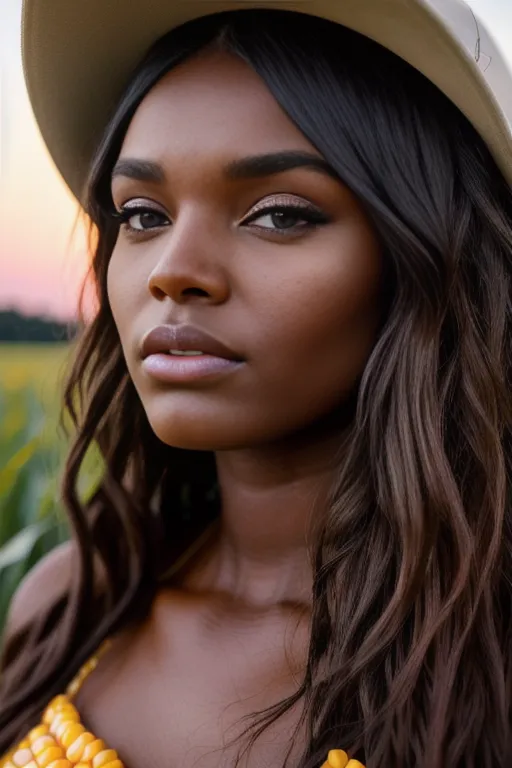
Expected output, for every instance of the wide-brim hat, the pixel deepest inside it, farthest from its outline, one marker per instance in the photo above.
(78, 54)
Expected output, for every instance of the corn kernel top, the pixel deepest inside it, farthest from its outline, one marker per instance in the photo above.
(61, 741)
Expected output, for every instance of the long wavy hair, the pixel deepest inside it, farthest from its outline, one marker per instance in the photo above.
(409, 662)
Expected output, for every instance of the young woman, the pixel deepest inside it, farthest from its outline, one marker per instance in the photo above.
(299, 379)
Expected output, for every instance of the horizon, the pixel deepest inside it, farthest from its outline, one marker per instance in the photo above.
(45, 263)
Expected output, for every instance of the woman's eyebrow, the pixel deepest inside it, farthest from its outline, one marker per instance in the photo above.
(256, 166)
(139, 170)
(277, 162)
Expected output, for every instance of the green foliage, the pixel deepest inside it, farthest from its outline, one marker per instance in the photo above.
(32, 452)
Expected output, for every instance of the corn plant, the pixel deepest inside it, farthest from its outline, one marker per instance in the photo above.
(32, 451)
(30, 520)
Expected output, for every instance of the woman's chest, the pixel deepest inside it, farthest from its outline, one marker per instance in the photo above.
(182, 698)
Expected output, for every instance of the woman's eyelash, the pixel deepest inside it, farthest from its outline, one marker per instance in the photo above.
(125, 214)
(295, 213)
(305, 212)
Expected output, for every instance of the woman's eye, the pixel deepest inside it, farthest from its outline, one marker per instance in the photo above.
(280, 219)
(286, 219)
(140, 219)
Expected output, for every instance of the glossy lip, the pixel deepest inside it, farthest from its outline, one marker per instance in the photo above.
(184, 337)
(180, 370)
(216, 359)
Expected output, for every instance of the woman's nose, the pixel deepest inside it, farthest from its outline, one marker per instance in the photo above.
(190, 267)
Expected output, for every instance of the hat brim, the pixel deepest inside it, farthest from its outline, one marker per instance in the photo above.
(77, 57)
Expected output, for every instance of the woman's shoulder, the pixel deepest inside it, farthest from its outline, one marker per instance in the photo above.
(42, 586)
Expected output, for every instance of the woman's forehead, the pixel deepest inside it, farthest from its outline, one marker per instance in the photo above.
(209, 103)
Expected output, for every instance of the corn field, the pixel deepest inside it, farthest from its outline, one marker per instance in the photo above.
(32, 451)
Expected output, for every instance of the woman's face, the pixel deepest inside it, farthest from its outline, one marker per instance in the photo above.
(294, 294)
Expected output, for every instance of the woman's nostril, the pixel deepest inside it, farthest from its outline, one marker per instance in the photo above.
(194, 292)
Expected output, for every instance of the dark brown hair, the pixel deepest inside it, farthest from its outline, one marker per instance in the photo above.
(410, 655)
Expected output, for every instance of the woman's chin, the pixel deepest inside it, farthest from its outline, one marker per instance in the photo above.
(196, 435)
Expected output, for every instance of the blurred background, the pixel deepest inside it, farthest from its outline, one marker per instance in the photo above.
(43, 261)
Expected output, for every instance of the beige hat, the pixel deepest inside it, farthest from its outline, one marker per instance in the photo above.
(77, 56)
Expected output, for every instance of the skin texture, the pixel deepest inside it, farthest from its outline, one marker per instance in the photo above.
(302, 310)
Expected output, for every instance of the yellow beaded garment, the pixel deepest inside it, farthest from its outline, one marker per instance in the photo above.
(61, 741)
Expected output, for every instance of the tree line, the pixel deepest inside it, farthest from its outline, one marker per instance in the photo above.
(20, 328)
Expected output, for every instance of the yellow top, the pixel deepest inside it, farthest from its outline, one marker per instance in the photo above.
(61, 741)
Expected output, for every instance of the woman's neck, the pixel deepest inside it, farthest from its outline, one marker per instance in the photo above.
(270, 497)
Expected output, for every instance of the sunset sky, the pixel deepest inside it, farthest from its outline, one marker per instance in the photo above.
(40, 265)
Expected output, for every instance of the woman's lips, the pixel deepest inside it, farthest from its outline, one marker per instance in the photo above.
(184, 353)
(184, 338)
(180, 369)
